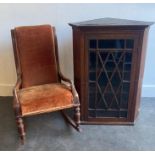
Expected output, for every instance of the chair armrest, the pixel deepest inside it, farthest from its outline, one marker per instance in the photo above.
(15, 90)
(74, 92)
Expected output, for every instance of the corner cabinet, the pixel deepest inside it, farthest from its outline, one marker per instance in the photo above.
(109, 57)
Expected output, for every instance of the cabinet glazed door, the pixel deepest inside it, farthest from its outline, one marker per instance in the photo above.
(109, 69)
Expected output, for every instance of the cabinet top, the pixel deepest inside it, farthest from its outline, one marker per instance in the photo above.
(110, 22)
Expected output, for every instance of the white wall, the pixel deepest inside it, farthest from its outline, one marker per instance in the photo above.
(59, 15)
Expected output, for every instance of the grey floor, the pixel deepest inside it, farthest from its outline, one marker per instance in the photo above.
(49, 132)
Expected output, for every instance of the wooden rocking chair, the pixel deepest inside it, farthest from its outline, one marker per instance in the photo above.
(39, 88)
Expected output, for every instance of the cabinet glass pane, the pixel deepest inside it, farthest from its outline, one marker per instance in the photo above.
(110, 64)
(129, 43)
(119, 43)
(92, 60)
(128, 57)
(104, 55)
(92, 92)
(92, 43)
(101, 103)
(117, 56)
(102, 80)
(127, 67)
(92, 76)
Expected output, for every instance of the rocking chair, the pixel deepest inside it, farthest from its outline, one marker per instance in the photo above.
(39, 88)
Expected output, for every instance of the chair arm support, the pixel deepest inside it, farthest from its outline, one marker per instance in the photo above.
(74, 92)
(15, 90)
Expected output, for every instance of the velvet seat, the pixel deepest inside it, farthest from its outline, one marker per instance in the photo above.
(39, 88)
(45, 98)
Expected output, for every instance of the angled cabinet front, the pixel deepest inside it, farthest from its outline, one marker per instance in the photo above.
(110, 86)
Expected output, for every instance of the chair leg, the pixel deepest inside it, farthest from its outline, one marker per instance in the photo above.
(77, 117)
(75, 123)
(21, 129)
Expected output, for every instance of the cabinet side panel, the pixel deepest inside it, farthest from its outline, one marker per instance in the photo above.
(78, 57)
(140, 70)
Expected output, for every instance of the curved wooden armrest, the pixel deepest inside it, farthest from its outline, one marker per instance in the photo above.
(74, 92)
(15, 90)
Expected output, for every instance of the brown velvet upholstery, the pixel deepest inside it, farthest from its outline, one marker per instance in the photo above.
(36, 49)
(45, 98)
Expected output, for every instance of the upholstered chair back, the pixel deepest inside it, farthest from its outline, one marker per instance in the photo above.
(35, 54)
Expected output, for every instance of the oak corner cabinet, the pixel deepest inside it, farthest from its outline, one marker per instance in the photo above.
(109, 56)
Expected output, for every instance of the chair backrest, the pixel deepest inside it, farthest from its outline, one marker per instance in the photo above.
(35, 54)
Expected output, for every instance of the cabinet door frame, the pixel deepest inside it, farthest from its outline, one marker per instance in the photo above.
(109, 35)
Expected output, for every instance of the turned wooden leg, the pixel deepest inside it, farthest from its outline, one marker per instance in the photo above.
(21, 129)
(77, 117)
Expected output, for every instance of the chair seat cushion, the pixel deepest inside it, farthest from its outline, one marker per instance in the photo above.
(45, 98)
